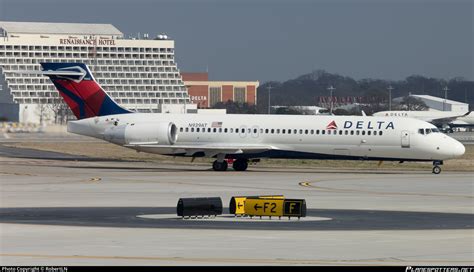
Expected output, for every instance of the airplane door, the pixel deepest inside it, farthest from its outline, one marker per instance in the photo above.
(243, 131)
(405, 139)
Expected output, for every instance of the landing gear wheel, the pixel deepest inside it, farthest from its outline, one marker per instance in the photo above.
(219, 166)
(240, 165)
(436, 170)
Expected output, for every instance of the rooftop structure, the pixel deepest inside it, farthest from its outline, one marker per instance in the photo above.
(207, 93)
(140, 74)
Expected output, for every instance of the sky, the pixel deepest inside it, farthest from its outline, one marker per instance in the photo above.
(282, 39)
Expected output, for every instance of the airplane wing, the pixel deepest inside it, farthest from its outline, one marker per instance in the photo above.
(209, 150)
(445, 120)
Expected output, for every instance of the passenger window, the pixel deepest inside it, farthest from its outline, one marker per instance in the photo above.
(301, 131)
(352, 132)
(231, 130)
(380, 133)
(283, 131)
(317, 132)
(197, 129)
(249, 130)
(363, 132)
(236, 130)
(180, 129)
(261, 131)
(289, 131)
(187, 129)
(278, 131)
(225, 130)
(192, 129)
(266, 131)
(220, 130)
(215, 130)
(255, 130)
(305, 131)
(357, 132)
(312, 131)
(369, 132)
(340, 132)
(272, 131)
(209, 130)
(346, 132)
(323, 132)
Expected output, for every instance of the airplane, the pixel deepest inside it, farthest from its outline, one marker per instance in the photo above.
(243, 137)
(446, 120)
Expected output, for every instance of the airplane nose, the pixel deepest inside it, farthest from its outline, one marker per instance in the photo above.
(458, 149)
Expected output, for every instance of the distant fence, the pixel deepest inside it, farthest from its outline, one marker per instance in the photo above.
(14, 127)
(464, 137)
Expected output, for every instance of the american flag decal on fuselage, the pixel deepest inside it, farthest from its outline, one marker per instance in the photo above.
(216, 124)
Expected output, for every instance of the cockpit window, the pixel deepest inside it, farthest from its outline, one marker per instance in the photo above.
(427, 131)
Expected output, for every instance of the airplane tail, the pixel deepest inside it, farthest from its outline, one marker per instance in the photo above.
(80, 91)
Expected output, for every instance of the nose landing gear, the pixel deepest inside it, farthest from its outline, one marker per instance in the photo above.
(436, 168)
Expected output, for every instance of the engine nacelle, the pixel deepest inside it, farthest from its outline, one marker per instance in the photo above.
(164, 133)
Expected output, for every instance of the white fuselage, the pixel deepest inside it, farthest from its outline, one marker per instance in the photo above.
(290, 136)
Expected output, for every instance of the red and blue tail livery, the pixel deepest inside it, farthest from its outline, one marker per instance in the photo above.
(80, 91)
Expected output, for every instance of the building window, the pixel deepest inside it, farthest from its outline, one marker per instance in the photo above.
(214, 95)
(239, 94)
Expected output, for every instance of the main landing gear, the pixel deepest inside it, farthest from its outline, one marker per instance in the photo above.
(219, 166)
(238, 165)
(436, 168)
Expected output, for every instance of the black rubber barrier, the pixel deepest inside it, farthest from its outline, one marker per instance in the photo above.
(200, 206)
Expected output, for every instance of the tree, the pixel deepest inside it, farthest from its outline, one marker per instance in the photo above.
(60, 110)
(288, 110)
(412, 104)
(236, 107)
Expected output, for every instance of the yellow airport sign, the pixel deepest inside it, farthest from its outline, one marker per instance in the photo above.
(237, 203)
(264, 207)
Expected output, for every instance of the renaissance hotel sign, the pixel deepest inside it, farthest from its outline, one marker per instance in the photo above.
(76, 41)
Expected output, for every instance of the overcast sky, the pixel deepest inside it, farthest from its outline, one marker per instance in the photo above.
(279, 40)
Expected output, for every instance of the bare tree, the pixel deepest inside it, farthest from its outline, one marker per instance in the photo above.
(60, 111)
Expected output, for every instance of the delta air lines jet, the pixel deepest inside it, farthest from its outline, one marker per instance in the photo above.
(244, 137)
